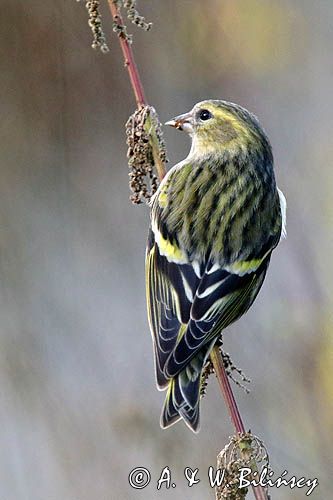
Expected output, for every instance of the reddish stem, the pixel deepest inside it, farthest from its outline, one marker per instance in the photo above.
(129, 58)
(215, 356)
(229, 398)
(225, 387)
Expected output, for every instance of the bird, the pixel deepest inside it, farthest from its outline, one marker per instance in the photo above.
(215, 219)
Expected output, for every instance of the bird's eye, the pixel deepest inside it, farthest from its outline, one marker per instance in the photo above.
(204, 114)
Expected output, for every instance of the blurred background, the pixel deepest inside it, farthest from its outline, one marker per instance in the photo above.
(79, 408)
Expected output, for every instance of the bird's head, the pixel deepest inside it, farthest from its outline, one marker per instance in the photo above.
(217, 126)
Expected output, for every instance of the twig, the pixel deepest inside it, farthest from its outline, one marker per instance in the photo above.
(135, 81)
(128, 58)
(215, 355)
(225, 387)
(231, 404)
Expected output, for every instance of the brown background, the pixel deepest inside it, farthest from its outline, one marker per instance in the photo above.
(79, 408)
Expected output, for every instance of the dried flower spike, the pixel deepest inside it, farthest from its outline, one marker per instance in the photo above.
(119, 27)
(146, 149)
(95, 23)
(121, 30)
(208, 370)
(134, 16)
(243, 450)
(230, 369)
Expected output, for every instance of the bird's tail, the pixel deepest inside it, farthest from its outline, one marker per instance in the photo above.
(183, 395)
(176, 407)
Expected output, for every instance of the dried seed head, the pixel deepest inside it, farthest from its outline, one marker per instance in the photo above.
(230, 368)
(121, 30)
(208, 370)
(145, 147)
(95, 23)
(134, 16)
(243, 450)
(232, 371)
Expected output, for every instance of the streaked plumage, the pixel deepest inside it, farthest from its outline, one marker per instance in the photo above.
(215, 220)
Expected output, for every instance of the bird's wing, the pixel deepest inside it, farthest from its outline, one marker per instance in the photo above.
(170, 287)
(221, 297)
(189, 303)
(191, 300)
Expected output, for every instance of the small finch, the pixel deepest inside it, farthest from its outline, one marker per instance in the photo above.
(215, 220)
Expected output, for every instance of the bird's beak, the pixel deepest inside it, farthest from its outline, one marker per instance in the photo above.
(182, 122)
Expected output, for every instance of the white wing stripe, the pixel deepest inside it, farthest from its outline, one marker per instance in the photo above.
(209, 290)
(187, 288)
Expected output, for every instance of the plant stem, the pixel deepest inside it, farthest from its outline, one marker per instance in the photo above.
(229, 398)
(226, 390)
(136, 83)
(129, 58)
(215, 355)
